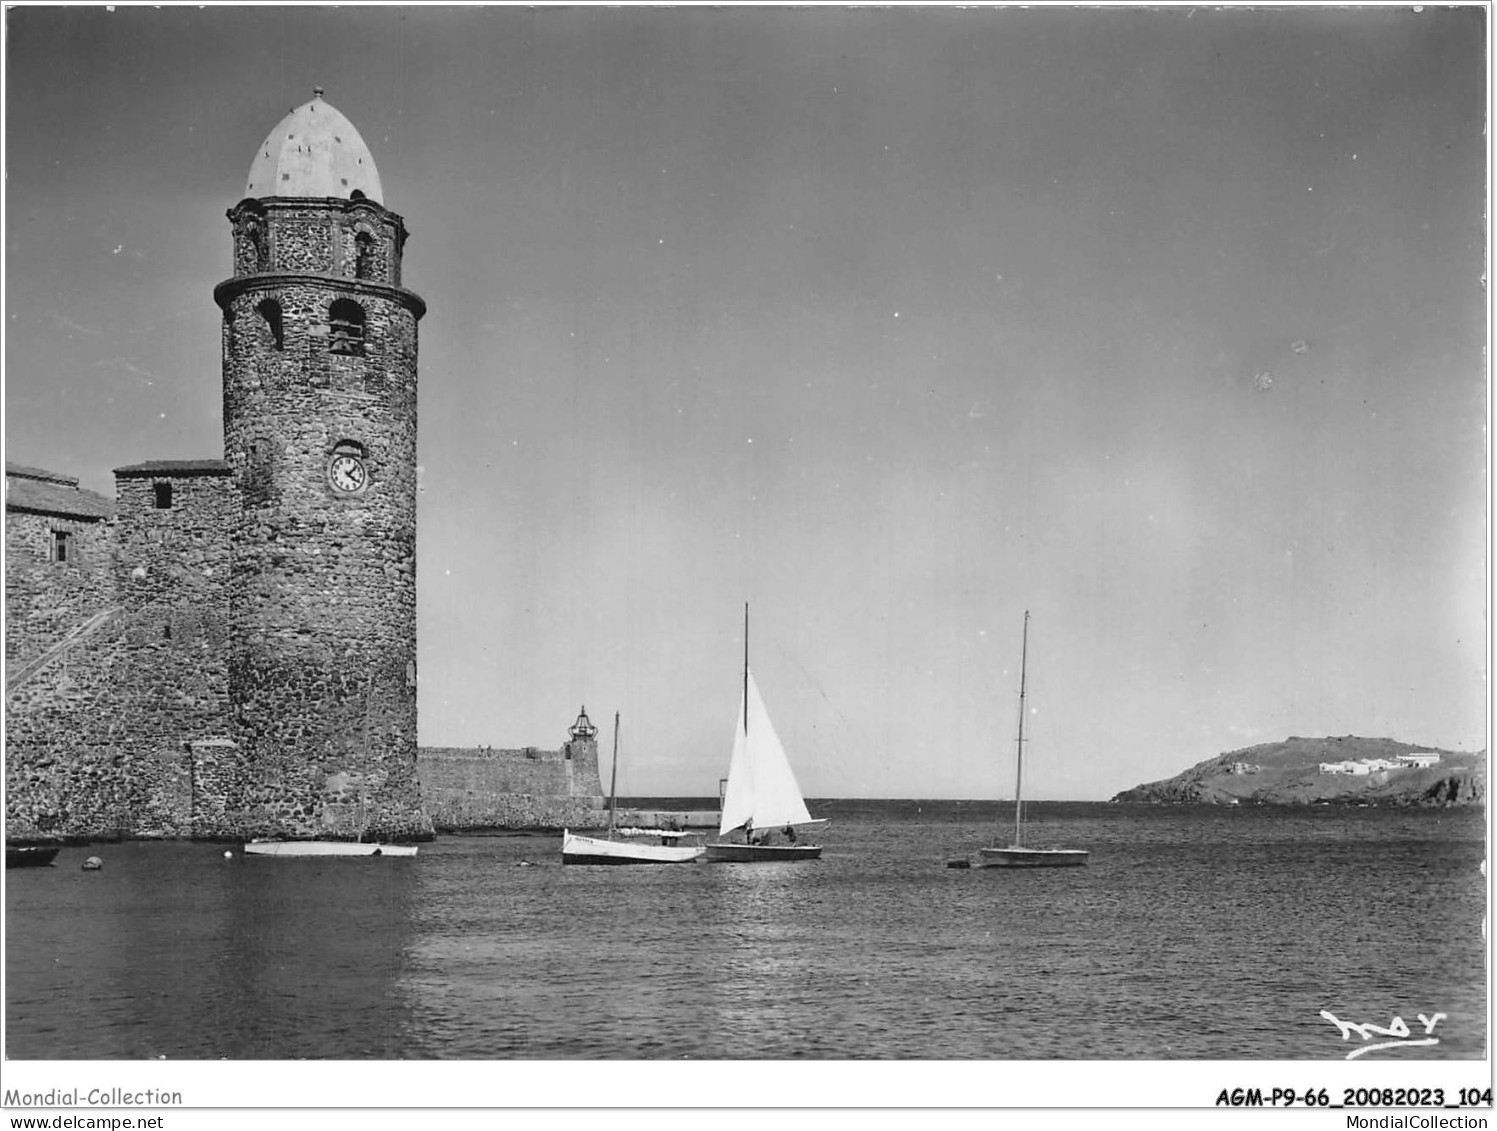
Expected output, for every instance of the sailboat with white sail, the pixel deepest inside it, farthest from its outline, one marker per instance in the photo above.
(1016, 855)
(577, 849)
(762, 797)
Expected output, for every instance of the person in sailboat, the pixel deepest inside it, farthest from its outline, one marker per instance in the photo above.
(790, 834)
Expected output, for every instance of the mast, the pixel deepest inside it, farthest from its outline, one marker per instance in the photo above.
(748, 829)
(745, 667)
(613, 781)
(1019, 773)
(362, 813)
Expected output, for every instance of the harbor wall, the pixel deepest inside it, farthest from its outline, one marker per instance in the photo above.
(483, 788)
(696, 819)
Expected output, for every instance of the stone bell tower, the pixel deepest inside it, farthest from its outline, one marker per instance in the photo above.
(319, 382)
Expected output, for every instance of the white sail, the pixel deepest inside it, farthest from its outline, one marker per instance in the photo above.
(761, 786)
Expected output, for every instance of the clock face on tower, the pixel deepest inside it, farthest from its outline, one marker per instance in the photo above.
(346, 473)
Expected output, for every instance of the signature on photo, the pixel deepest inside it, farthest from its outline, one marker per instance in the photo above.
(1397, 1028)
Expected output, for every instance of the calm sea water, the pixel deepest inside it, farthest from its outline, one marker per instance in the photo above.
(1194, 933)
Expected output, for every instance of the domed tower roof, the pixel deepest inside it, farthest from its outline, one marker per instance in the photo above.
(314, 151)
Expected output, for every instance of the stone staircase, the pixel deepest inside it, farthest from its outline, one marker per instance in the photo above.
(19, 676)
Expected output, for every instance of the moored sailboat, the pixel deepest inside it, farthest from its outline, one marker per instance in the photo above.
(762, 795)
(1016, 855)
(596, 850)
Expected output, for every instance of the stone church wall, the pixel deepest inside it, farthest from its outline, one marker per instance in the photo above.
(98, 741)
(44, 598)
(65, 749)
(172, 569)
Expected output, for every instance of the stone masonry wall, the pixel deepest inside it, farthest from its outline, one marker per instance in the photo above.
(285, 235)
(483, 788)
(98, 743)
(75, 768)
(172, 572)
(65, 749)
(44, 599)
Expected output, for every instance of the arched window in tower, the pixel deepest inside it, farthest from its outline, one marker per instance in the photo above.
(346, 327)
(363, 258)
(270, 310)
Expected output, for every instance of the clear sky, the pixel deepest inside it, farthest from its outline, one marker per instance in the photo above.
(1166, 325)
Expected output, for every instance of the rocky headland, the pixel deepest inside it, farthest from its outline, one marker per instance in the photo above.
(1291, 773)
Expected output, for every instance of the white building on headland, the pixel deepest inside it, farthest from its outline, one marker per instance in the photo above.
(1420, 758)
(1362, 766)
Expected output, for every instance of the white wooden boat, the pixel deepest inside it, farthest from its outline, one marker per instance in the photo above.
(625, 846)
(1017, 855)
(762, 797)
(597, 850)
(325, 848)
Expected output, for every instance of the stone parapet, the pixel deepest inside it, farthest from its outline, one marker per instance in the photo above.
(476, 788)
(571, 771)
(455, 812)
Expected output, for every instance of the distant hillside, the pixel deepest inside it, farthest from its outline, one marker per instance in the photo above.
(1288, 773)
